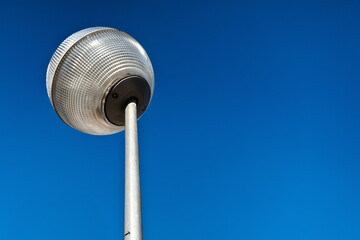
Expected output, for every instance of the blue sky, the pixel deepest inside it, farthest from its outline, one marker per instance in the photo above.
(253, 131)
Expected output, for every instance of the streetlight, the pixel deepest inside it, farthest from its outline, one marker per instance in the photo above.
(100, 81)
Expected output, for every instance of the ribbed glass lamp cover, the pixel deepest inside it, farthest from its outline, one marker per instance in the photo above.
(83, 70)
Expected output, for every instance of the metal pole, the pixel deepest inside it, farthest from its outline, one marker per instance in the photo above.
(132, 224)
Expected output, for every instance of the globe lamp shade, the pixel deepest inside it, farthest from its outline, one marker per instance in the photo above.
(92, 76)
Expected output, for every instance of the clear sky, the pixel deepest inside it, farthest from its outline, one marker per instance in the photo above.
(253, 131)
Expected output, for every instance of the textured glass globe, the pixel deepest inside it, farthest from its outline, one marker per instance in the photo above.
(84, 70)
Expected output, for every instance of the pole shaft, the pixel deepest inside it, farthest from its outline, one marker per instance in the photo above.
(132, 221)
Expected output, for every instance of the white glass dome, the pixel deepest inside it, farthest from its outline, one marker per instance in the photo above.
(86, 67)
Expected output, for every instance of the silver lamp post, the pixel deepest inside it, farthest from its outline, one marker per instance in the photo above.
(100, 81)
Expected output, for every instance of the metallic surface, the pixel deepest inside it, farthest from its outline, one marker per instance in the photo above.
(118, 98)
(83, 70)
(132, 220)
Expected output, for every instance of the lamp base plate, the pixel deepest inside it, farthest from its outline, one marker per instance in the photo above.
(120, 94)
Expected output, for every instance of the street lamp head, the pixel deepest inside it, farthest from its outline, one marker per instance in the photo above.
(92, 76)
